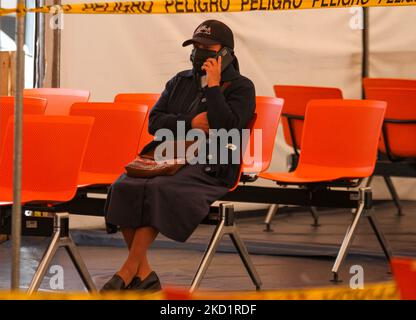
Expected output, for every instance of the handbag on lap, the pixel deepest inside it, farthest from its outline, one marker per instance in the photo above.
(146, 166)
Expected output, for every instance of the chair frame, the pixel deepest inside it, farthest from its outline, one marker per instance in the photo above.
(91, 200)
(320, 195)
(58, 231)
(393, 166)
(293, 163)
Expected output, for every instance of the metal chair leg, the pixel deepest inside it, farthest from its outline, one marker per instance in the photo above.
(79, 264)
(348, 238)
(226, 225)
(394, 195)
(61, 238)
(269, 217)
(315, 216)
(245, 257)
(380, 236)
(369, 181)
(208, 256)
(44, 263)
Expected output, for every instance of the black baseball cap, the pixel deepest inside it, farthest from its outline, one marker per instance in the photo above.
(212, 32)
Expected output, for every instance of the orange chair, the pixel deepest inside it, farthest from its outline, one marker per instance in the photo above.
(114, 139)
(30, 106)
(148, 99)
(388, 83)
(268, 111)
(59, 99)
(339, 146)
(296, 98)
(404, 270)
(53, 149)
(397, 146)
(399, 129)
(266, 121)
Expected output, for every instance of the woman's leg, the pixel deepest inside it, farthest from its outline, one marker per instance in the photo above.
(144, 267)
(128, 235)
(143, 238)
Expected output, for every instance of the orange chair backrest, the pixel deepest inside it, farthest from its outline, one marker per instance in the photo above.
(114, 137)
(257, 154)
(263, 131)
(388, 83)
(148, 99)
(401, 105)
(296, 98)
(30, 106)
(59, 99)
(342, 134)
(53, 148)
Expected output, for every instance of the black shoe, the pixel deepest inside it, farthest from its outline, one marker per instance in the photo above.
(115, 283)
(151, 283)
(134, 283)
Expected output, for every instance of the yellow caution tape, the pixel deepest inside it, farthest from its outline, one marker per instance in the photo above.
(116, 295)
(378, 291)
(206, 6)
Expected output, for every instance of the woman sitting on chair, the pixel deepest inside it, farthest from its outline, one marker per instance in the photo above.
(175, 205)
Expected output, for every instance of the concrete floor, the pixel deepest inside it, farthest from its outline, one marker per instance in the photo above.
(177, 267)
(294, 255)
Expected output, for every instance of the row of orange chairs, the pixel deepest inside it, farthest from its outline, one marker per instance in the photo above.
(399, 94)
(61, 154)
(399, 127)
(325, 158)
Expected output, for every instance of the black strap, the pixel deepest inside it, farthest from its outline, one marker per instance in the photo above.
(193, 108)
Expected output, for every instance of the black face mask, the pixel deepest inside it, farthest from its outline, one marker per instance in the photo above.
(199, 56)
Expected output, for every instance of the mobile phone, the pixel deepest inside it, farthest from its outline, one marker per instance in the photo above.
(227, 57)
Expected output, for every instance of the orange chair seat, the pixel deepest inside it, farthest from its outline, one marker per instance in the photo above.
(314, 174)
(53, 148)
(91, 178)
(6, 195)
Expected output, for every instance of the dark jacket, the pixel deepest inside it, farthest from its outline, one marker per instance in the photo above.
(231, 106)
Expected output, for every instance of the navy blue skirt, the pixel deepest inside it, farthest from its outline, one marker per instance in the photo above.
(174, 205)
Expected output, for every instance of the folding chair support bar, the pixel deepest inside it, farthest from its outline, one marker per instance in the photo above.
(61, 238)
(321, 197)
(225, 226)
(364, 209)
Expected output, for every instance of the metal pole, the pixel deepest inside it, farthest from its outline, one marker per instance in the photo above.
(39, 74)
(56, 55)
(17, 168)
(1, 79)
(366, 43)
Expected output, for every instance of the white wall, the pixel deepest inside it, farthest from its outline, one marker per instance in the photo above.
(108, 54)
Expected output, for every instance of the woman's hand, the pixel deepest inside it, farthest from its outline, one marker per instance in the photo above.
(200, 121)
(213, 70)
